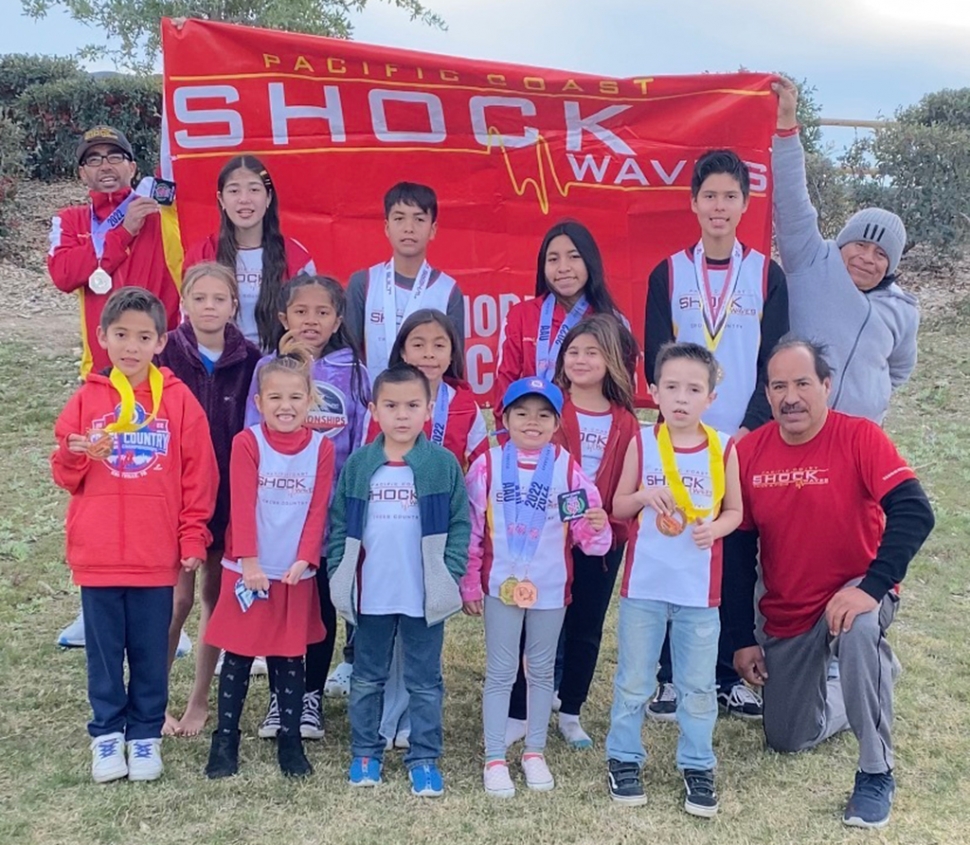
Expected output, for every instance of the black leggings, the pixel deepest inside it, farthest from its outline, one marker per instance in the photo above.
(286, 676)
(579, 644)
(319, 655)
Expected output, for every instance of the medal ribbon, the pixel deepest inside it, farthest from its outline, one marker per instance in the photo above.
(715, 310)
(99, 231)
(546, 354)
(676, 483)
(390, 302)
(439, 419)
(524, 519)
(126, 416)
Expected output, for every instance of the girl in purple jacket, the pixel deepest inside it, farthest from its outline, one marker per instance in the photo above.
(311, 311)
(212, 357)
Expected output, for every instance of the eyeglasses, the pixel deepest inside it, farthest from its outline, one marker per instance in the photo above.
(96, 159)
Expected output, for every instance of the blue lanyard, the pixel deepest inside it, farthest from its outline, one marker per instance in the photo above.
(546, 354)
(99, 231)
(439, 419)
(524, 519)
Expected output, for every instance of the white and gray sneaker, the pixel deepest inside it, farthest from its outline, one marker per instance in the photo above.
(741, 701)
(108, 758)
(73, 635)
(270, 727)
(664, 704)
(338, 684)
(311, 720)
(145, 759)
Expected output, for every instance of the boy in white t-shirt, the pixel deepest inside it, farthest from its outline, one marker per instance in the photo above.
(399, 534)
(680, 481)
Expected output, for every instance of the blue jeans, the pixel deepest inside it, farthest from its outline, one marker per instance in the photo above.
(374, 647)
(130, 622)
(694, 635)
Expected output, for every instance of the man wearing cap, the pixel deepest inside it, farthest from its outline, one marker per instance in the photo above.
(113, 241)
(842, 293)
(835, 516)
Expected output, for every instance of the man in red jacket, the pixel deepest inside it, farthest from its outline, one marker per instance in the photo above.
(113, 241)
(135, 454)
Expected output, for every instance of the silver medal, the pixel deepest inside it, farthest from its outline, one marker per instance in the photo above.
(99, 281)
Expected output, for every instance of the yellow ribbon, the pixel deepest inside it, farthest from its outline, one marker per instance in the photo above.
(126, 416)
(676, 483)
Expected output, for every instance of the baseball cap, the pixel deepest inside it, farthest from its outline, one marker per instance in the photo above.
(103, 135)
(534, 386)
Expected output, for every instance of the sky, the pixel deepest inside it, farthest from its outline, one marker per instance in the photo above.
(865, 57)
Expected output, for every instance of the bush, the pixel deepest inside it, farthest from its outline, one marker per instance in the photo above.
(55, 114)
(11, 172)
(18, 71)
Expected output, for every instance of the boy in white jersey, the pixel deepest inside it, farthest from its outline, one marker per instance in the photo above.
(382, 297)
(680, 480)
(733, 300)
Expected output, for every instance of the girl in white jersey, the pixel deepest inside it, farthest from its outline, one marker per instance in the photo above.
(680, 479)
(281, 473)
(530, 503)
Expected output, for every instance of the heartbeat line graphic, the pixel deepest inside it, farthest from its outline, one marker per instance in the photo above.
(548, 174)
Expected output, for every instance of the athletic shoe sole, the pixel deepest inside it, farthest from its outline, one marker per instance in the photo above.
(500, 793)
(309, 732)
(663, 717)
(428, 792)
(541, 786)
(855, 821)
(270, 733)
(365, 784)
(629, 800)
(700, 810)
(117, 773)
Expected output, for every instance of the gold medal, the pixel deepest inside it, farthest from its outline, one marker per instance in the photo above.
(506, 592)
(100, 443)
(676, 483)
(99, 281)
(525, 594)
(672, 525)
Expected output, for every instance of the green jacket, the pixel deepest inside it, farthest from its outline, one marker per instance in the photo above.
(445, 526)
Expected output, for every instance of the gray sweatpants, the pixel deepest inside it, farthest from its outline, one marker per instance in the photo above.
(503, 633)
(803, 707)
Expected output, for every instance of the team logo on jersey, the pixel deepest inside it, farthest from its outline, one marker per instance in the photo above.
(798, 478)
(136, 452)
(329, 417)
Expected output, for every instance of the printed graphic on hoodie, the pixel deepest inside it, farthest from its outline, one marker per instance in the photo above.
(329, 417)
(135, 452)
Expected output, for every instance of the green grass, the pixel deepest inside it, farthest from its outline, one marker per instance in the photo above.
(46, 795)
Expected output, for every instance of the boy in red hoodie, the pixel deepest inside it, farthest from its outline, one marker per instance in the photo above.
(135, 454)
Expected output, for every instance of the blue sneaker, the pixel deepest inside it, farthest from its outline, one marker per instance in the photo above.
(426, 781)
(871, 801)
(365, 771)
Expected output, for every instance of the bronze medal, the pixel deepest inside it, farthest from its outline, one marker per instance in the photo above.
(100, 443)
(672, 525)
(506, 592)
(525, 594)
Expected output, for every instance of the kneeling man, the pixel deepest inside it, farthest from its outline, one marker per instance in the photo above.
(838, 516)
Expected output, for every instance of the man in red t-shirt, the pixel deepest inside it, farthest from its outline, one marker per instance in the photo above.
(838, 516)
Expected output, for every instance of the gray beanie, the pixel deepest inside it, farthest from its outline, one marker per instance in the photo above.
(878, 226)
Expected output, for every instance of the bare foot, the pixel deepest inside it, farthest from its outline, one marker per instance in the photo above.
(171, 726)
(192, 723)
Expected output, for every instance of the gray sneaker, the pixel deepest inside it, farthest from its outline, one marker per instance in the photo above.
(664, 704)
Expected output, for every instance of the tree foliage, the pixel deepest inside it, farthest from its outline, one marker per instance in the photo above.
(135, 24)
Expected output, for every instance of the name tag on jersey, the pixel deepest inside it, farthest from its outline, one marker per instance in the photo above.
(572, 505)
(247, 597)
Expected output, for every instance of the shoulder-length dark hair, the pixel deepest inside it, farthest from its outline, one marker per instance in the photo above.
(274, 247)
(597, 293)
(456, 369)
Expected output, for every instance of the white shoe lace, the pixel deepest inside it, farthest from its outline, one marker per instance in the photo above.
(311, 707)
(741, 695)
(668, 693)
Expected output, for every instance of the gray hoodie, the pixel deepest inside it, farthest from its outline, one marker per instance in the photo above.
(871, 337)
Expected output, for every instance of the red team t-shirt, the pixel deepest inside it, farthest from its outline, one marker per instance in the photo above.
(816, 509)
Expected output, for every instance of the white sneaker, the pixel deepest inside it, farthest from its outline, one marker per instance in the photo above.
(556, 702)
(108, 758)
(311, 719)
(145, 759)
(184, 648)
(572, 731)
(537, 774)
(498, 781)
(338, 684)
(259, 667)
(73, 635)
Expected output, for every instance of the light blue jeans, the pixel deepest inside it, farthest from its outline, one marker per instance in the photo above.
(694, 634)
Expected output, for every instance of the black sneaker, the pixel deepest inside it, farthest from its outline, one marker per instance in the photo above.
(624, 783)
(311, 719)
(871, 801)
(664, 704)
(700, 798)
(741, 701)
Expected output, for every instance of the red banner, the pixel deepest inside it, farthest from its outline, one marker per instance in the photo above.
(509, 149)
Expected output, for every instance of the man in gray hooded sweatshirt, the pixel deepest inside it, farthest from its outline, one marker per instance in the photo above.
(842, 293)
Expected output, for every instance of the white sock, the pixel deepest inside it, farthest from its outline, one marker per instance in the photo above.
(572, 731)
(515, 730)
